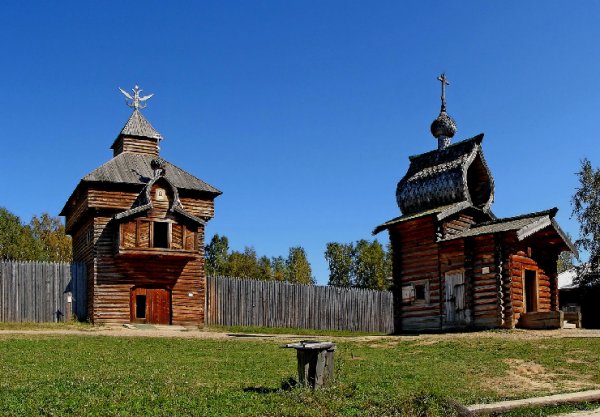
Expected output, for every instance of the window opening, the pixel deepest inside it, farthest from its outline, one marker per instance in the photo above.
(140, 306)
(530, 291)
(161, 235)
(420, 292)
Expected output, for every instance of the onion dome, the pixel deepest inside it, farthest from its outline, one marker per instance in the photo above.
(444, 125)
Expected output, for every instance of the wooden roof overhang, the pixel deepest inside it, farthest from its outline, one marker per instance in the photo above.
(541, 224)
(455, 174)
(439, 212)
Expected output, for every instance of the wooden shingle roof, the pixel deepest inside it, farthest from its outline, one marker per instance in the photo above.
(525, 225)
(139, 126)
(447, 176)
(132, 168)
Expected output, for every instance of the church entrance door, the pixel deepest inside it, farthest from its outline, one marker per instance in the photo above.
(454, 297)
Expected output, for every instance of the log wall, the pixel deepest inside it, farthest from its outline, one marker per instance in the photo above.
(519, 262)
(416, 258)
(486, 285)
(136, 145)
(457, 224)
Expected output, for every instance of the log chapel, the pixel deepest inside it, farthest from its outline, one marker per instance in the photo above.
(455, 264)
(137, 222)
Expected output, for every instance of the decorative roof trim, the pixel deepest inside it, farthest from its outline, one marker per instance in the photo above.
(532, 228)
(128, 213)
(146, 199)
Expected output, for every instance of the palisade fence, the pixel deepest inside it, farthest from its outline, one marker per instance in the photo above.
(246, 302)
(41, 291)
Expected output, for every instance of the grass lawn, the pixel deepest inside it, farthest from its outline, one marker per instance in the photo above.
(91, 375)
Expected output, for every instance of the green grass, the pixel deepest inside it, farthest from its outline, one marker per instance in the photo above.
(289, 330)
(140, 376)
(69, 325)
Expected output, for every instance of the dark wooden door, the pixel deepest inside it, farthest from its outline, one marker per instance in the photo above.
(150, 305)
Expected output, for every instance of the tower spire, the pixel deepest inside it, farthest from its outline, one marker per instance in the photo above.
(443, 128)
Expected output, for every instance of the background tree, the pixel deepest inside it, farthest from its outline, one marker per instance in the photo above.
(217, 256)
(265, 272)
(52, 244)
(340, 258)
(280, 270)
(565, 262)
(363, 264)
(370, 265)
(243, 264)
(586, 208)
(44, 239)
(299, 270)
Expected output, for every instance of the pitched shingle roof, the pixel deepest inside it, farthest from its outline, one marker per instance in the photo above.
(440, 212)
(525, 225)
(132, 168)
(139, 126)
(441, 177)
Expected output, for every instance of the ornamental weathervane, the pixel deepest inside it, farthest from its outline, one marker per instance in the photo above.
(136, 102)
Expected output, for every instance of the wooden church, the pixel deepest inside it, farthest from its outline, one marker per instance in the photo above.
(455, 264)
(137, 222)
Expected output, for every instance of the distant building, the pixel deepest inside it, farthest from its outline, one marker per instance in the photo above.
(455, 264)
(137, 222)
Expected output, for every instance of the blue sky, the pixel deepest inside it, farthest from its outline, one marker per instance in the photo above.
(303, 113)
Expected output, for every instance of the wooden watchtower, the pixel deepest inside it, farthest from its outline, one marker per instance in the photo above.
(137, 222)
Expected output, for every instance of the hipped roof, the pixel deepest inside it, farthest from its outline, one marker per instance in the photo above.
(135, 168)
(138, 126)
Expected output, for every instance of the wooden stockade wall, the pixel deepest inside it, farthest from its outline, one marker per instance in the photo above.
(40, 291)
(245, 302)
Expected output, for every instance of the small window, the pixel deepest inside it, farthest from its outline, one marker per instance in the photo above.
(161, 235)
(140, 306)
(420, 292)
(416, 292)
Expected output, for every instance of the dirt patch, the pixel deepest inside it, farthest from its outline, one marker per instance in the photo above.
(526, 376)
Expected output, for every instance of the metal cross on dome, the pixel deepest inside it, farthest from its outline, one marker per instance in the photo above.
(442, 78)
(136, 102)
